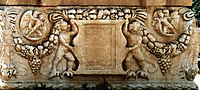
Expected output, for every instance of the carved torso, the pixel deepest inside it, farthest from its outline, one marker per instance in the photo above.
(65, 36)
(133, 39)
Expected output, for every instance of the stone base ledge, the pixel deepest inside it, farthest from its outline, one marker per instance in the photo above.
(101, 85)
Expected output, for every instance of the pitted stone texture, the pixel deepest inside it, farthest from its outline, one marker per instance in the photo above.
(99, 2)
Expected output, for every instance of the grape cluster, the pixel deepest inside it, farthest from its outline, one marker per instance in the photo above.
(34, 64)
(164, 65)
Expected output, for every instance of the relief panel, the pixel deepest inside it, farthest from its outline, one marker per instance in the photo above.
(117, 43)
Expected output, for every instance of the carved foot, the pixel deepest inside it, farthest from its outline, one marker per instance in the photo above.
(142, 73)
(191, 73)
(54, 73)
(131, 74)
(12, 72)
(67, 73)
(7, 71)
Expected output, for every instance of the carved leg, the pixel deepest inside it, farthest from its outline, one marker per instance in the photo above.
(70, 62)
(195, 54)
(128, 64)
(54, 72)
(191, 73)
(142, 72)
(59, 55)
(193, 69)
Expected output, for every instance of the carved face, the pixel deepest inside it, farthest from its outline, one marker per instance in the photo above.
(160, 14)
(64, 26)
(134, 27)
(36, 14)
(166, 13)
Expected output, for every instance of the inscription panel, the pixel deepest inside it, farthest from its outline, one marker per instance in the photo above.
(96, 47)
(100, 39)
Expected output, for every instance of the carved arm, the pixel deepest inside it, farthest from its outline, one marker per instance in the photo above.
(125, 28)
(165, 22)
(33, 17)
(74, 28)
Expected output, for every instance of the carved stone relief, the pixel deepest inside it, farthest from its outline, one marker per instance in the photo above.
(131, 31)
(29, 40)
(7, 68)
(33, 26)
(166, 24)
(83, 41)
(164, 51)
(65, 50)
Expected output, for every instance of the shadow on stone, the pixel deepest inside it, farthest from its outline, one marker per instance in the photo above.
(103, 85)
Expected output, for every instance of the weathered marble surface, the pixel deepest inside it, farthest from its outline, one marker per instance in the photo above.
(69, 46)
(99, 2)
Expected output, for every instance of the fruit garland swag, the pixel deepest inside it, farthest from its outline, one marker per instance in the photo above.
(165, 51)
(35, 53)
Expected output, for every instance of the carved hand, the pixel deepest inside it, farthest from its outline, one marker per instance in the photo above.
(70, 48)
(71, 22)
(127, 21)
